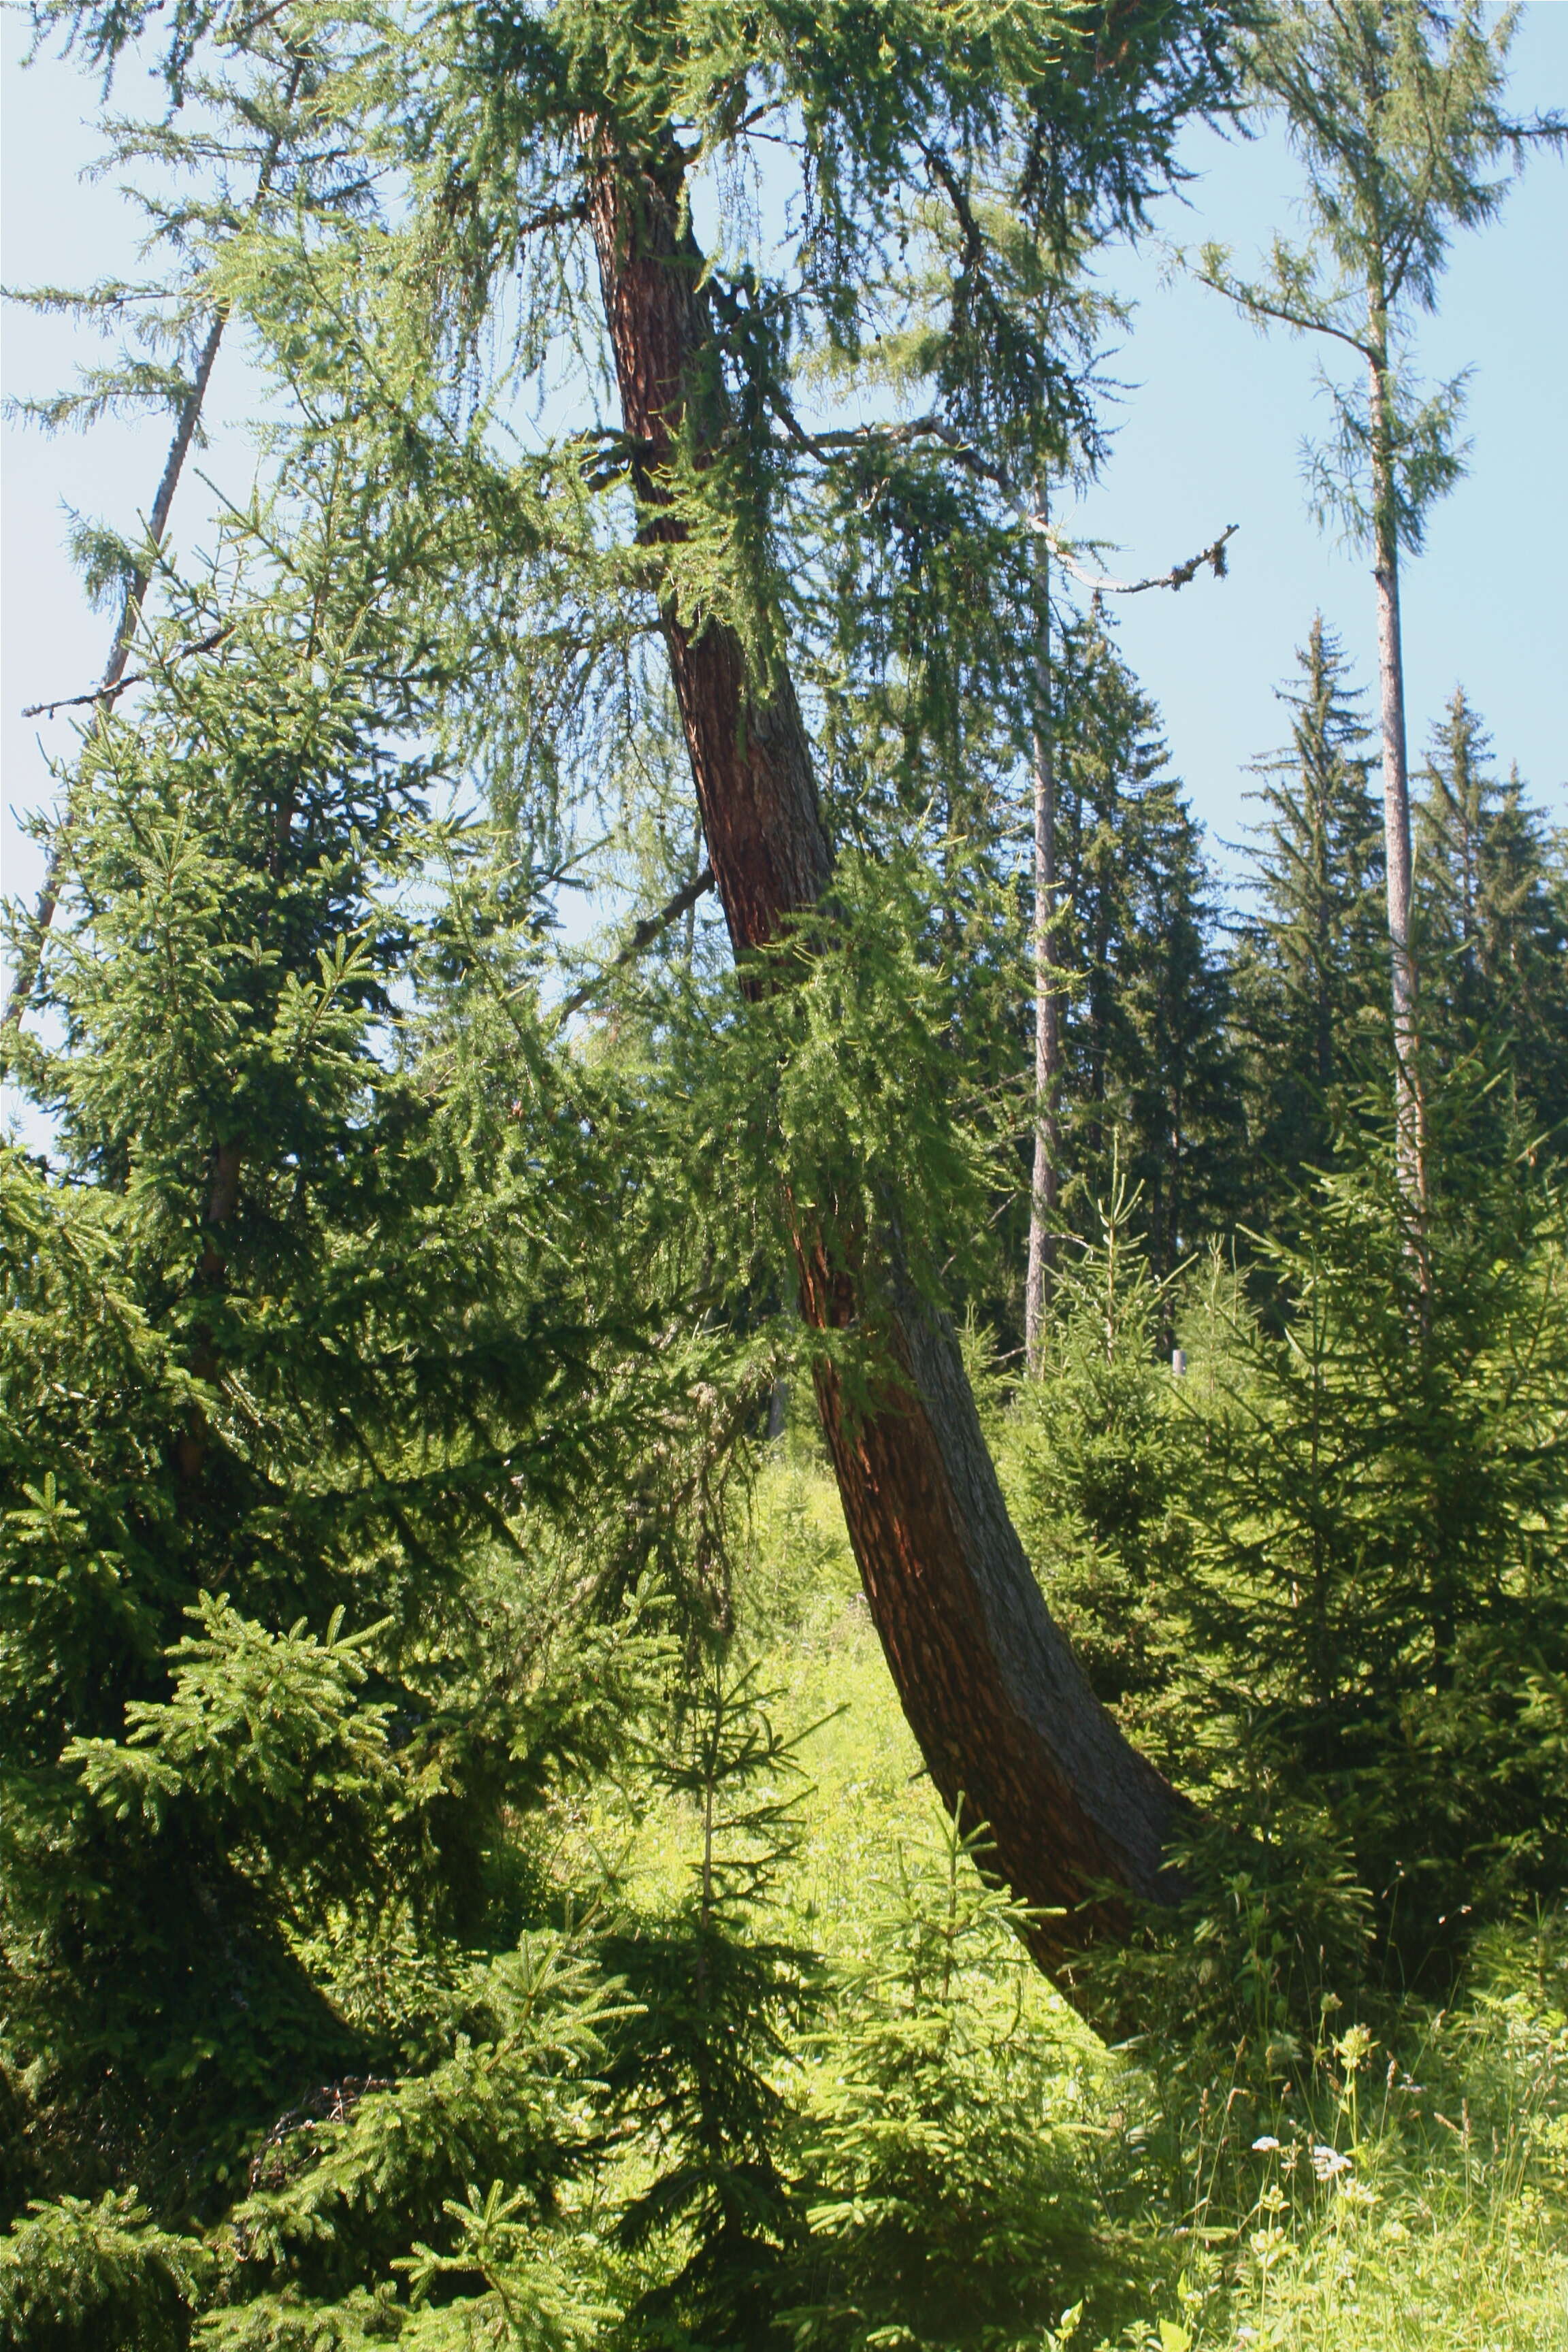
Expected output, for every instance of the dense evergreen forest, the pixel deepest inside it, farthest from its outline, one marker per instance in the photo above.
(827, 1609)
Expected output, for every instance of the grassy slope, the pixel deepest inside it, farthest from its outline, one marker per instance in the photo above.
(1449, 2228)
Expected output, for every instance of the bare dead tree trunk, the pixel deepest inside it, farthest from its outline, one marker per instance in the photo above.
(1002, 1715)
(1409, 1119)
(1045, 1184)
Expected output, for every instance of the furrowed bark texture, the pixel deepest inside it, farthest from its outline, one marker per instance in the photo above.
(1002, 1715)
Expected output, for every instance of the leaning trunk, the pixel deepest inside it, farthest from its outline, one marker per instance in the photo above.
(1004, 1718)
(187, 422)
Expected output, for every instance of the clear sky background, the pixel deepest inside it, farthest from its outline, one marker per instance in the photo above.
(1210, 434)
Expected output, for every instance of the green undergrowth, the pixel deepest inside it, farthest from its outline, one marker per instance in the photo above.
(783, 2077)
(1402, 2185)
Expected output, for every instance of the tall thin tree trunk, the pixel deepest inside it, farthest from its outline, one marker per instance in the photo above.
(1409, 1123)
(1045, 1186)
(187, 422)
(1002, 1715)
(1316, 798)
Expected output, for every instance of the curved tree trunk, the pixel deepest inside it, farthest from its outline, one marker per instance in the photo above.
(1002, 1715)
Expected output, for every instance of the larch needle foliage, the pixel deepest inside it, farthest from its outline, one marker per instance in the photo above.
(464, 1879)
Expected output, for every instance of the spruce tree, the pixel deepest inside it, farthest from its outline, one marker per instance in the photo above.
(1396, 111)
(1146, 1045)
(1492, 918)
(289, 1360)
(944, 2192)
(697, 2064)
(1376, 1591)
(1097, 1467)
(1308, 975)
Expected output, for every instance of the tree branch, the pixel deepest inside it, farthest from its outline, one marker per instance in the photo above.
(25, 979)
(1178, 575)
(825, 446)
(121, 685)
(1247, 299)
(642, 935)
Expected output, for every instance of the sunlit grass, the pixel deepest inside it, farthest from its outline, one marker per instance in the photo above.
(1439, 2230)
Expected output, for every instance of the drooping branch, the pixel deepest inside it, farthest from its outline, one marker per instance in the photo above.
(1258, 307)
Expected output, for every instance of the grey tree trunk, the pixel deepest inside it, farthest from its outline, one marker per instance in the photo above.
(26, 977)
(1046, 1183)
(187, 423)
(1409, 1122)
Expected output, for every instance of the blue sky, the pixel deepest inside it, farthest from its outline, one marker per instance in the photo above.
(1210, 432)
(1212, 436)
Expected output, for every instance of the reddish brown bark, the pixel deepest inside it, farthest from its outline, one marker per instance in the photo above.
(992, 1691)
(750, 757)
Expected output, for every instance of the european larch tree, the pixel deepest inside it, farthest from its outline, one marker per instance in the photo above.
(573, 153)
(1396, 111)
(589, 115)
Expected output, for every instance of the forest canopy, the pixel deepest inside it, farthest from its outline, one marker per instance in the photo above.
(830, 1611)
